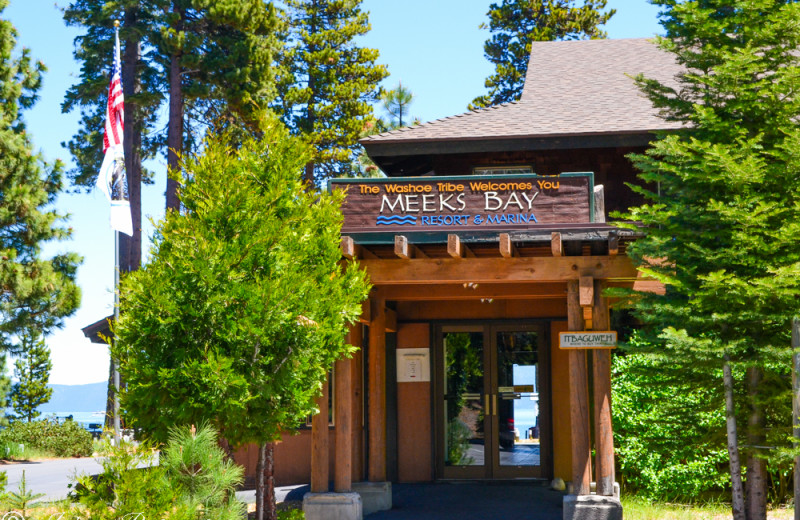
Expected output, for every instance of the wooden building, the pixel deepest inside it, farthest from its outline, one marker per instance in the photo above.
(483, 244)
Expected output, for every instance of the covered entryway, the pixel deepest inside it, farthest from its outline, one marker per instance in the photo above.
(492, 400)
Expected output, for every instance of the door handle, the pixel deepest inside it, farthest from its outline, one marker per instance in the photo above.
(494, 403)
(486, 405)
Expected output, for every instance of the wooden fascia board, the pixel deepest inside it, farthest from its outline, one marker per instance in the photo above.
(497, 270)
(377, 150)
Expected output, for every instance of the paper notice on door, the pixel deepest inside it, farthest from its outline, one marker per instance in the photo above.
(413, 365)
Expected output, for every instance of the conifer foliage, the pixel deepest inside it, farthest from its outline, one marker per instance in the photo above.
(723, 219)
(32, 370)
(515, 24)
(244, 306)
(34, 291)
(327, 82)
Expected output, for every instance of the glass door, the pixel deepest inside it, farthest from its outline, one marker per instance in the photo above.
(489, 406)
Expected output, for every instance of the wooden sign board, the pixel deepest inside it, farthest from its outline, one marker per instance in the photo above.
(494, 203)
(588, 339)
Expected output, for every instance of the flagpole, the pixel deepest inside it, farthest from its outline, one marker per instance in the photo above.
(115, 373)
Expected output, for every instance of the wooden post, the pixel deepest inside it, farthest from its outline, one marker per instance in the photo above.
(376, 375)
(578, 399)
(357, 418)
(319, 445)
(604, 438)
(342, 473)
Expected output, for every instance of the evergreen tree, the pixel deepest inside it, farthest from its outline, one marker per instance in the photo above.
(396, 102)
(34, 291)
(327, 83)
(208, 61)
(32, 370)
(244, 306)
(515, 24)
(724, 223)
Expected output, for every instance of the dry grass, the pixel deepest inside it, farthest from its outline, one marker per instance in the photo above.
(641, 510)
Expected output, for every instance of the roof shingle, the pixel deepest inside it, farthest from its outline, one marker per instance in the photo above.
(582, 87)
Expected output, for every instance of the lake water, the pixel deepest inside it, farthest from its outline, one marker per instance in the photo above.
(83, 418)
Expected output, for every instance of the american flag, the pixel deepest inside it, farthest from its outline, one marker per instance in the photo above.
(112, 180)
(115, 109)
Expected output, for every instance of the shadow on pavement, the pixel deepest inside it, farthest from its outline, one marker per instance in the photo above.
(473, 501)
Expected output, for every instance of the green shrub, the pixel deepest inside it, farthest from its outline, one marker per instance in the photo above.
(671, 440)
(291, 514)
(193, 481)
(67, 439)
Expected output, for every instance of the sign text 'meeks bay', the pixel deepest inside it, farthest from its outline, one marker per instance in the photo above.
(466, 203)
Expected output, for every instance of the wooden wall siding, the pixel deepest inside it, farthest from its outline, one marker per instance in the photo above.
(610, 166)
(414, 429)
(292, 459)
(562, 433)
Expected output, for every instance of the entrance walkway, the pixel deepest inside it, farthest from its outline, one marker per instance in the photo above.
(455, 501)
(473, 501)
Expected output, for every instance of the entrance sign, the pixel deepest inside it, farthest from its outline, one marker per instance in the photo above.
(587, 339)
(468, 203)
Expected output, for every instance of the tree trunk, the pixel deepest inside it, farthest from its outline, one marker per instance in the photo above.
(756, 498)
(175, 119)
(733, 444)
(266, 508)
(131, 247)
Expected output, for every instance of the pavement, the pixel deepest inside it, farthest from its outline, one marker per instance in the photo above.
(462, 500)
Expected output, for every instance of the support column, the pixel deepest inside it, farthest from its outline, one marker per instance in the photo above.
(376, 373)
(579, 399)
(342, 476)
(319, 445)
(604, 438)
(357, 374)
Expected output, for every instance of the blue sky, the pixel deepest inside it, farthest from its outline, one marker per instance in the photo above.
(433, 46)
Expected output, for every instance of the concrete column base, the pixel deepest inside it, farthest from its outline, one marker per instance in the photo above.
(375, 496)
(593, 489)
(591, 507)
(332, 506)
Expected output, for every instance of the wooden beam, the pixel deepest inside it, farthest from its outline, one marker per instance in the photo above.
(376, 472)
(578, 399)
(353, 251)
(507, 247)
(555, 244)
(454, 247)
(405, 250)
(343, 472)
(613, 245)
(604, 437)
(365, 313)
(357, 417)
(391, 320)
(319, 445)
(586, 288)
(495, 291)
(498, 270)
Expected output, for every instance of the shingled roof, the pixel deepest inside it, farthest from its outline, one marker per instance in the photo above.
(572, 89)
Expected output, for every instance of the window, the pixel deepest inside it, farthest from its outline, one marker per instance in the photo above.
(502, 170)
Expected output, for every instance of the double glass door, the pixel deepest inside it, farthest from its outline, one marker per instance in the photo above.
(492, 407)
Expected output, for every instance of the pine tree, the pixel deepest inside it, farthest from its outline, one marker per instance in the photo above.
(34, 291)
(723, 227)
(515, 24)
(207, 61)
(32, 370)
(327, 82)
(396, 102)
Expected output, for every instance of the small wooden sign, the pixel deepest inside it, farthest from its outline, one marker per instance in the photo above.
(588, 339)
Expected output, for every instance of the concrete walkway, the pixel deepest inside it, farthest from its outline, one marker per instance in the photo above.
(456, 501)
